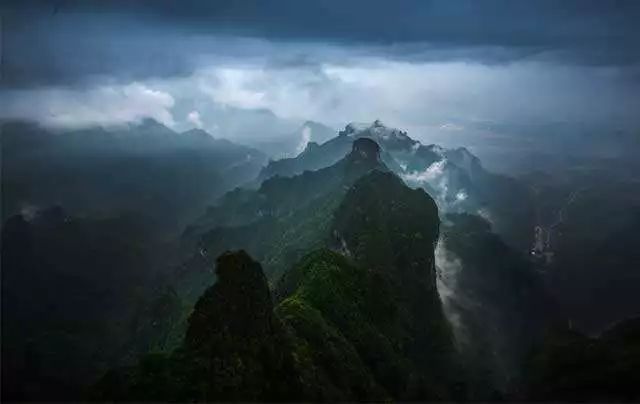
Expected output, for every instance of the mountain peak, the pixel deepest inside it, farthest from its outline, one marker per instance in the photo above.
(388, 137)
(366, 149)
(197, 132)
(237, 305)
(149, 124)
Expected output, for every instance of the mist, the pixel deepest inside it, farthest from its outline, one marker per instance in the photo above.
(320, 201)
(254, 88)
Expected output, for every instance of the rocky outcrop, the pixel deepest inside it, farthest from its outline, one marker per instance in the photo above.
(393, 229)
(367, 149)
(236, 339)
(237, 307)
(235, 348)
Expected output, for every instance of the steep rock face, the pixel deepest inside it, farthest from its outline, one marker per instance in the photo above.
(496, 300)
(386, 225)
(364, 157)
(366, 148)
(392, 229)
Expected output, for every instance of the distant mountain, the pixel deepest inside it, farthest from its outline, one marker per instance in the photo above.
(145, 168)
(89, 224)
(292, 144)
(454, 177)
(587, 216)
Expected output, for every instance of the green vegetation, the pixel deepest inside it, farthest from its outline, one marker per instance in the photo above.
(348, 253)
(342, 329)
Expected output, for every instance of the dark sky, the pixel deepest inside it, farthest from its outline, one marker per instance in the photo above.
(420, 64)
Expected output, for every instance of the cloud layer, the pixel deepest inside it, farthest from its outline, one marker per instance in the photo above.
(58, 42)
(258, 69)
(103, 105)
(447, 98)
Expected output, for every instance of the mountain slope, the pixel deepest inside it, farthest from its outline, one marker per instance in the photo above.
(292, 144)
(378, 223)
(285, 217)
(235, 348)
(454, 177)
(145, 168)
(496, 301)
(353, 327)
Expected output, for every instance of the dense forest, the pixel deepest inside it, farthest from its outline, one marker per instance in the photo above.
(368, 267)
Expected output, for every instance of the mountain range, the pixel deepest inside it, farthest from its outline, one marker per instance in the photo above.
(368, 267)
(145, 168)
(454, 177)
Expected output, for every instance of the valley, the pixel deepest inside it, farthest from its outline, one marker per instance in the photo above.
(382, 248)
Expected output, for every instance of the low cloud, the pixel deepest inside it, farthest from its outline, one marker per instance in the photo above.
(194, 118)
(424, 97)
(76, 108)
(253, 99)
(431, 173)
(450, 127)
(304, 140)
(448, 268)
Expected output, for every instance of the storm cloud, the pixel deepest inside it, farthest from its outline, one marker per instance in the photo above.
(451, 68)
(60, 41)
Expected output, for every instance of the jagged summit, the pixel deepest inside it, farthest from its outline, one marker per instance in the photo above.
(352, 128)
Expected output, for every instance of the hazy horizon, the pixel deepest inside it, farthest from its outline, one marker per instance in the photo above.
(452, 72)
